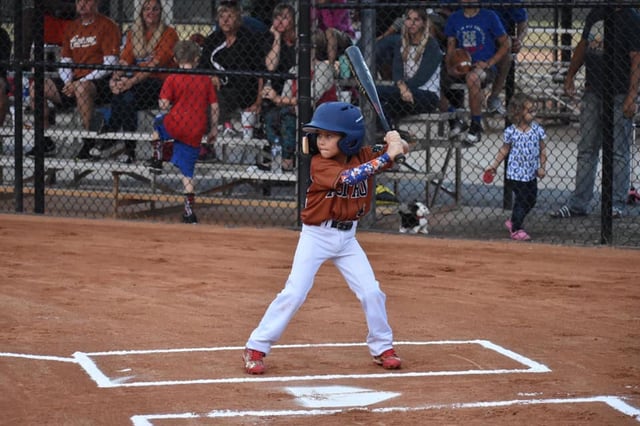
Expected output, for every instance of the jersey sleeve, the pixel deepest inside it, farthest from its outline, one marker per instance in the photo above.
(112, 38)
(65, 52)
(163, 51)
(127, 52)
(496, 24)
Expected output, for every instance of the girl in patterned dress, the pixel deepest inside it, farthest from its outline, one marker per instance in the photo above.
(525, 146)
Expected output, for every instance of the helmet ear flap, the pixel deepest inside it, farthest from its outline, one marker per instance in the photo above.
(312, 138)
(350, 145)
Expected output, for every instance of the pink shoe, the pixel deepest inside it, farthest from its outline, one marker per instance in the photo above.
(520, 235)
(507, 224)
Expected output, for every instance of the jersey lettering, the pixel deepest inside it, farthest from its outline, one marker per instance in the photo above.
(78, 42)
(359, 190)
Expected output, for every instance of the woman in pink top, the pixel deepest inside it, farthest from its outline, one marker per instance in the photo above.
(334, 29)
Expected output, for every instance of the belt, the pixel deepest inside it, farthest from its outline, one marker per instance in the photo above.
(342, 225)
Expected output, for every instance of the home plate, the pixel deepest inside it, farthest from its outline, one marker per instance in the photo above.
(337, 396)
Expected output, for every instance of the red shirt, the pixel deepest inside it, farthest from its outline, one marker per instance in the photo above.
(190, 97)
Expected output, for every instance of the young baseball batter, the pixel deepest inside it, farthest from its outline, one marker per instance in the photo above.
(339, 195)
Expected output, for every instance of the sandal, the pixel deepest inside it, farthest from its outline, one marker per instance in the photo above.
(565, 212)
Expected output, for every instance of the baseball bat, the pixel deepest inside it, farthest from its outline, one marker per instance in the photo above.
(367, 87)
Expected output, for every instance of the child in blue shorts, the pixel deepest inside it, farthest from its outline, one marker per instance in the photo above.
(184, 100)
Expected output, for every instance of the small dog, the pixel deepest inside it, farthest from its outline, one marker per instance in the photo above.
(413, 218)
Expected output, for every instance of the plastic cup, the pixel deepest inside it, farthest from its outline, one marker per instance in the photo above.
(487, 176)
(247, 120)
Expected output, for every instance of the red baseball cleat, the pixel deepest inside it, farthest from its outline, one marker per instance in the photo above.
(388, 359)
(253, 361)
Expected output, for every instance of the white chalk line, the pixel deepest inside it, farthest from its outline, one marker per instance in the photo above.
(84, 359)
(481, 342)
(323, 377)
(37, 357)
(614, 402)
(94, 371)
(87, 362)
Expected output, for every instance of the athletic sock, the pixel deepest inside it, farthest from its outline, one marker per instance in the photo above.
(157, 150)
(189, 201)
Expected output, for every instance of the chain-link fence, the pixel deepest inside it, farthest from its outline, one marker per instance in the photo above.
(99, 144)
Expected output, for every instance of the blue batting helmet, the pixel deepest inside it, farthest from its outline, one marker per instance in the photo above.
(339, 117)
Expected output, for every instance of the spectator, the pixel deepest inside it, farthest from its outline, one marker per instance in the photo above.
(149, 43)
(515, 22)
(334, 30)
(281, 53)
(416, 69)
(481, 33)
(385, 19)
(90, 39)
(385, 43)
(184, 99)
(438, 19)
(5, 55)
(281, 42)
(57, 15)
(621, 73)
(252, 22)
(233, 48)
(263, 10)
(281, 57)
(281, 122)
(524, 144)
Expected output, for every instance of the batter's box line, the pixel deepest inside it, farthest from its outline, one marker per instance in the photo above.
(87, 362)
(614, 402)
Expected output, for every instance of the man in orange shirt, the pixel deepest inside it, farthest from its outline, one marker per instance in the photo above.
(90, 39)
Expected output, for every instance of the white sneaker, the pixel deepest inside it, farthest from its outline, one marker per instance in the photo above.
(230, 132)
(494, 106)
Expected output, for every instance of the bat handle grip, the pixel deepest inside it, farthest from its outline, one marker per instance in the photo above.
(399, 159)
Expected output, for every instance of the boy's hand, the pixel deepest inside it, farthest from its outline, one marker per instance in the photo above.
(395, 144)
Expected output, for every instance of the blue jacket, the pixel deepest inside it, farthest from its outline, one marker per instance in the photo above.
(431, 60)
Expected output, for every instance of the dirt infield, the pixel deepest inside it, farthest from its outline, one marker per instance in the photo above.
(116, 323)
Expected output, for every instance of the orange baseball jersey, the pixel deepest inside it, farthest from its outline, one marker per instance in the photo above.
(328, 198)
(162, 52)
(89, 44)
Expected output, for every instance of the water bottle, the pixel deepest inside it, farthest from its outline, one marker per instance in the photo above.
(276, 156)
(267, 103)
(25, 91)
(344, 69)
